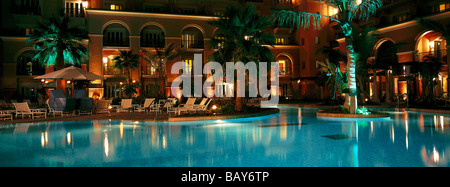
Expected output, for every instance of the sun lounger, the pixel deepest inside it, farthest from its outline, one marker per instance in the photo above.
(103, 106)
(86, 105)
(5, 116)
(59, 102)
(53, 111)
(146, 105)
(125, 105)
(23, 109)
(203, 105)
(188, 106)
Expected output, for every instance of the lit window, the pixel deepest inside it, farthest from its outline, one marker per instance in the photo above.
(282, 65)
(115, 7)
(187, 40)
(442, 7)
(187, 66)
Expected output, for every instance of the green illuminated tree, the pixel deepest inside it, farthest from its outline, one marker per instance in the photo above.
(58, 44)
(348, 10)
(240, 38)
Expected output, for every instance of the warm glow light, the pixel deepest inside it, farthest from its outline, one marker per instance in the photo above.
(110, 107)
(214, 107)
(134, 81)
(42, 140)
(85, 4)
(105, 60)
(106, 145)
(435, 155)
(42, 80)
(68, 82)
(358, 2)
(121, 83)
(69, 138)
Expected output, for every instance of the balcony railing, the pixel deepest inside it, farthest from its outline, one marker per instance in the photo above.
(110, 70)
(148, 70)
(441, 55)
(152, 43)
(285, 72)
(116, 43)
(192, 44)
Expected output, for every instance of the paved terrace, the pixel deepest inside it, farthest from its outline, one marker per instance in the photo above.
(132, 116)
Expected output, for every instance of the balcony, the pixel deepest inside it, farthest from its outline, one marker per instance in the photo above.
(441, 55)
(192, 44)
(110, 70)
(148, 70)
(116, 43)
(152, 43)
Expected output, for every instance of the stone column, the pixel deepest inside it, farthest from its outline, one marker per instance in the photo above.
(96, 55)
(135, 45)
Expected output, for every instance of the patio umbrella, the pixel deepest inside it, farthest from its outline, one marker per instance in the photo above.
(70, 73)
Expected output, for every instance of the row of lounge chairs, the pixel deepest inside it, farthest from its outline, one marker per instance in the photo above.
(58, 105)
(151, 105)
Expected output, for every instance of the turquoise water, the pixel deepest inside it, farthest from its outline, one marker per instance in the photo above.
(295, 137)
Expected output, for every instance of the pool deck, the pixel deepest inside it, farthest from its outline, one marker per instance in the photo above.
(143, 116)
(132, 116)
(135, 116)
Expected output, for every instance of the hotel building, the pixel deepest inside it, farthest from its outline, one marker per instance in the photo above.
(113, 25)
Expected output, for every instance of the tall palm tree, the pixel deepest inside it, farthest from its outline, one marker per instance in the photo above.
(240, 38)
(126, 61)
(58, 44)
(348, 10)
(158, 61)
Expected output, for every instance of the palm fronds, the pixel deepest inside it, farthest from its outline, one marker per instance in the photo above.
(348, 10)
(53, 38)
(241, 37)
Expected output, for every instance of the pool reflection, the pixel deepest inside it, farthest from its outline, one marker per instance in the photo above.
(295, 137)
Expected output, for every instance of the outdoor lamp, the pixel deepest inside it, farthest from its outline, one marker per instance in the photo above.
(214, 107)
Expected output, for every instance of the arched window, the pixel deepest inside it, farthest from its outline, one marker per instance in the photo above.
(285, 65)
(192, 37)
(116, 34)
(152, 36)
(27, 66)
(431, 44)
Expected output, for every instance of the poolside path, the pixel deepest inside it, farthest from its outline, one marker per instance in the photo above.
(133, 116)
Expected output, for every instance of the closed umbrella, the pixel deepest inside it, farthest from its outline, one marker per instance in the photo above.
(70, 73)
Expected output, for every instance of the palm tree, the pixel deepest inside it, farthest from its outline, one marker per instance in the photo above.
(158, 61)
(126, 61)
(240, 38)
(348, 10)
(58, 44)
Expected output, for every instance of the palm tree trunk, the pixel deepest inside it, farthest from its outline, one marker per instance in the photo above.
(60, 84)
(351, 102)
(239, 100)
(375, 93)
(128, 72)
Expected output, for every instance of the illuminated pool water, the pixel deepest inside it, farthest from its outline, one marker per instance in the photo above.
(295, 137)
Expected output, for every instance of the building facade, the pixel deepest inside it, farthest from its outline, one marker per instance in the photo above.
(114, 25)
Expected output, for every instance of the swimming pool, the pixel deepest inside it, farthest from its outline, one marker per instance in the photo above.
(294, 137)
